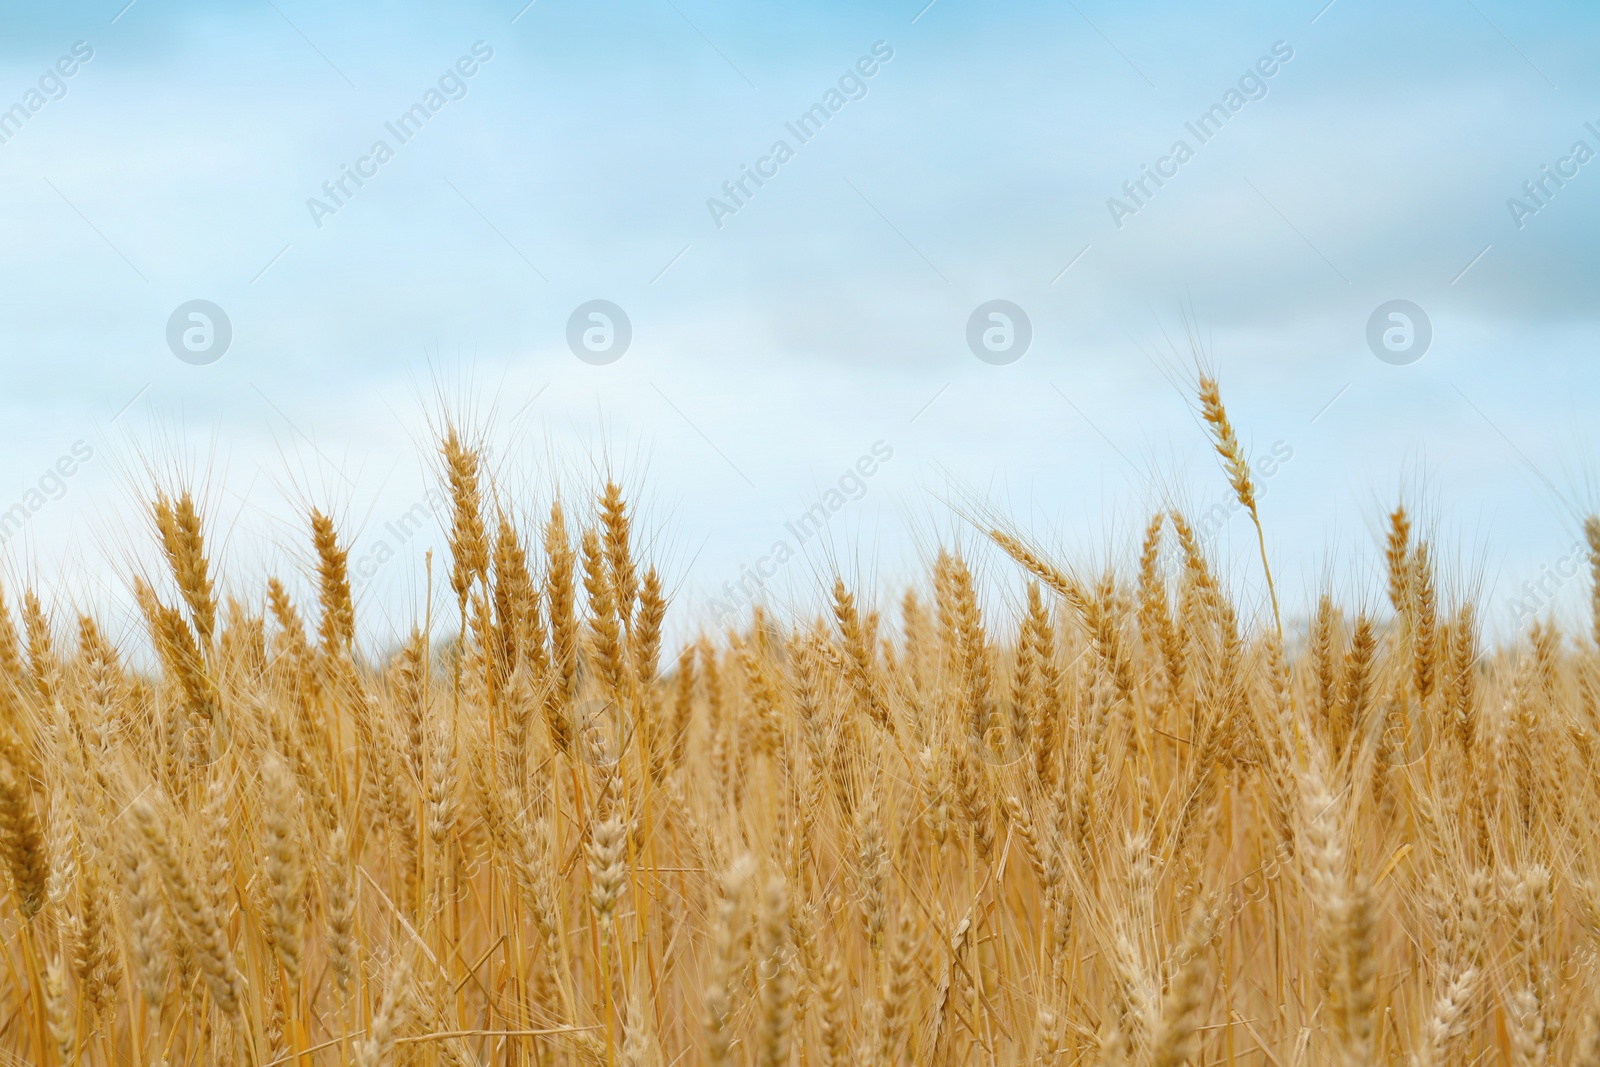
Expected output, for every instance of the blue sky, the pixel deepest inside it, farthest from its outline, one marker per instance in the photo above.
(772, 352)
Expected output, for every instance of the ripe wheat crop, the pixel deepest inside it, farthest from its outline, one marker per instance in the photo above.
(1120, 821)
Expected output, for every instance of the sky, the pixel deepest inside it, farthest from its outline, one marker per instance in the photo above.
(787, 336)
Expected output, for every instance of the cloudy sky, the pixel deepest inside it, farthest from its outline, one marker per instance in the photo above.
(782, 332)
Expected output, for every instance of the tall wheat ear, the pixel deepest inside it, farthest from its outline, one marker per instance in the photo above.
(1238, 470)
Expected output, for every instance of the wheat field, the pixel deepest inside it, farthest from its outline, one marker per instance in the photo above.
(1123, 820)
